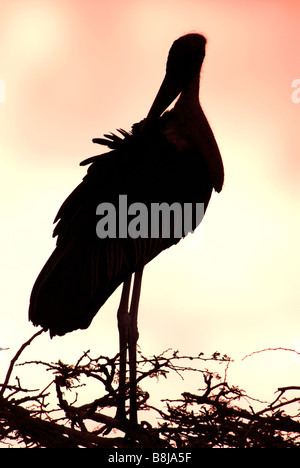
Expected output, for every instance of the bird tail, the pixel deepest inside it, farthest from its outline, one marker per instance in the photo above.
(74, 283)
(63, 297)
(51, 305)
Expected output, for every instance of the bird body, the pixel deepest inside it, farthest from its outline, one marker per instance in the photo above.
(169, 157)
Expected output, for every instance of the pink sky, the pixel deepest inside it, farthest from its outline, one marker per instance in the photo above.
(74, 70)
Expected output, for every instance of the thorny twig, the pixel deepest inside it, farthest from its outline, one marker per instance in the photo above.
(219, 415)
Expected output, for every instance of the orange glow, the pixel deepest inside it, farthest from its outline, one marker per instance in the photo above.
(75, 70)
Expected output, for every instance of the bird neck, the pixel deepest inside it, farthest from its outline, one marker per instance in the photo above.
(188, 105)
(189, 129)
(190, 94)
(186, 117)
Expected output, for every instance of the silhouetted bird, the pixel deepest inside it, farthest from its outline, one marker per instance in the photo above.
(169, 157)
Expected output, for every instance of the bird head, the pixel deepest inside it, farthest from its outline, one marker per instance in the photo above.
(184, 62)
(185, 58)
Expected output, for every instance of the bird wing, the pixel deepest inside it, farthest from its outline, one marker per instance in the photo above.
(84, 270)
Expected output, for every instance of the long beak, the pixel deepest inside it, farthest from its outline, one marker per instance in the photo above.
(168, 91)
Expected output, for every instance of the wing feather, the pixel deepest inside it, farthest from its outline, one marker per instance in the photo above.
(83, 271)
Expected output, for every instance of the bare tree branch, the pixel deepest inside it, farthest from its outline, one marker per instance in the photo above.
(219, 415)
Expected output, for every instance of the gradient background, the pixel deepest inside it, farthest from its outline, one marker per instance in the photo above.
(75, 69)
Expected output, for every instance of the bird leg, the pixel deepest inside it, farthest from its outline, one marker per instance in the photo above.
(133, 336)
(128, 336)
(123, 325)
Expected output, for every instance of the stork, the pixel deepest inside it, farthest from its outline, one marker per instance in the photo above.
(169, 157)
